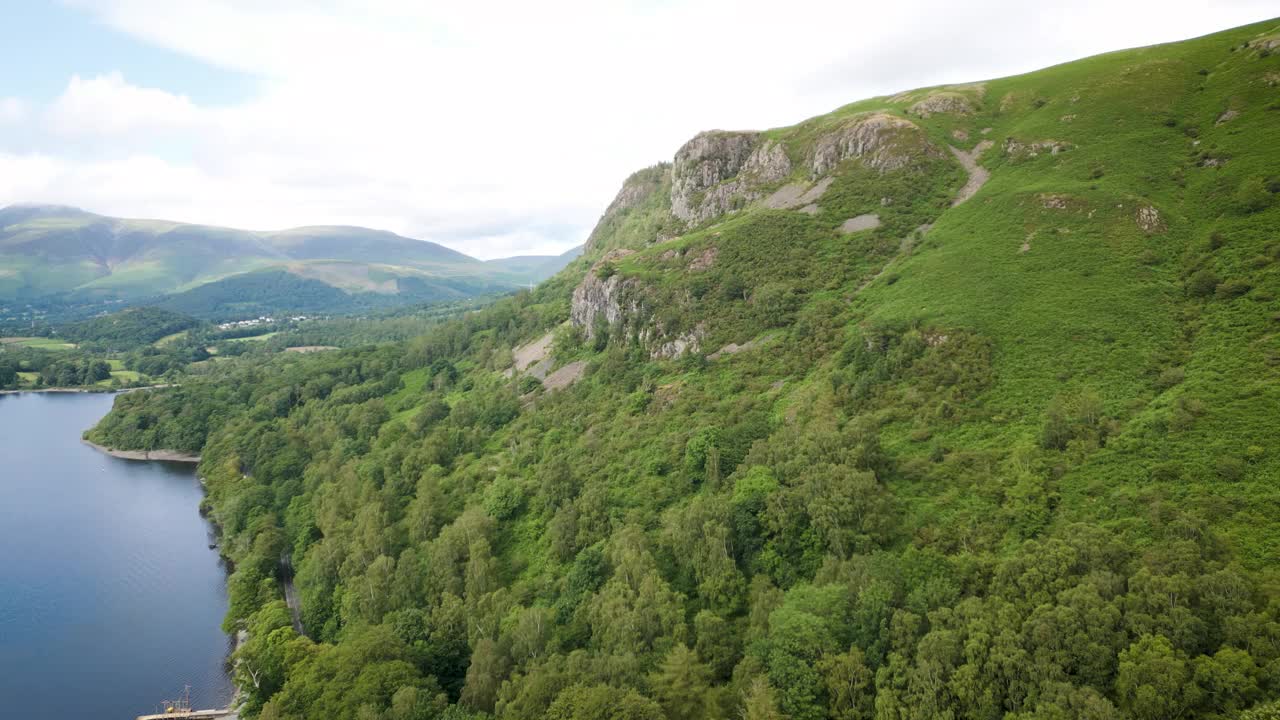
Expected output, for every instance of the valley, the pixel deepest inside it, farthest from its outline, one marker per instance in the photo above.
(62, 263)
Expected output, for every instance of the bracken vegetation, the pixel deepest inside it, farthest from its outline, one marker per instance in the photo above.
(1011, 459)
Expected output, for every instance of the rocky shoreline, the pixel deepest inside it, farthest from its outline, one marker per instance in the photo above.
(165, 455)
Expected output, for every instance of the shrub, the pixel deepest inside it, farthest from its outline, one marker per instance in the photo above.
(1230, 469)
(1252, 196)
(1170, 377)
(1203, 283)
(1233, 288)
(503, 500)
(567, 342)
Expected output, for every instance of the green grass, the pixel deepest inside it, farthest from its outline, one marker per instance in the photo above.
(41, 343)
(122, 377)
(252, 338)
(170, 339)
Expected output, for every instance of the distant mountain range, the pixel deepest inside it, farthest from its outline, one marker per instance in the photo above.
(52, 253)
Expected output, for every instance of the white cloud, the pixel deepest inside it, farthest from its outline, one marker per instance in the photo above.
(502, 128)
(107, 105)
(12, 110)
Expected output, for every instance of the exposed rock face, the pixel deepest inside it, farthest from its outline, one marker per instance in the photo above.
(717, 172)
(882, 141)
(598, 297)
(1053, 201)
(1271, 42)
(679, 345)
(769, 162)
(616, 302)
(1018, 149)
(942, 103)
(1148, 218)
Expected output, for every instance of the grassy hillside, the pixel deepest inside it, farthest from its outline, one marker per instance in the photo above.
(65, 252)
(958, 403)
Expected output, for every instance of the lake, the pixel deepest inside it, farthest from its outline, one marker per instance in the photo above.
(110, 598)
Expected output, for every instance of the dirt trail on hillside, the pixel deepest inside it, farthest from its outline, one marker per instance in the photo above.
(977, 174)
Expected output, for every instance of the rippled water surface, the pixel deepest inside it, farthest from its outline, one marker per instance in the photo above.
(110, 598)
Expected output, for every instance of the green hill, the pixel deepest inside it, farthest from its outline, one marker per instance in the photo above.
(66, 253)
(959, 403)
(129, 328)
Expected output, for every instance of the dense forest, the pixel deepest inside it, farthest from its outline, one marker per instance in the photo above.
(1002, 456)
(127, 329)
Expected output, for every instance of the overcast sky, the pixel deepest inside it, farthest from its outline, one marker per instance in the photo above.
(496, 128)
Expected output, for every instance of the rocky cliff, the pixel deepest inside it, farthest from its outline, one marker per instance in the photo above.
(722, 172)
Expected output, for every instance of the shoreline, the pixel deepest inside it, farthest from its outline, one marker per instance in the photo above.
(238, 638)
(160, 455)
(86, 390)
(54, 390)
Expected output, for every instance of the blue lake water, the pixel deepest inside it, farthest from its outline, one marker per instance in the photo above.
(110, 598)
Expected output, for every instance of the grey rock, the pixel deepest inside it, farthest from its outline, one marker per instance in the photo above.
(882, 141)
(943, 103)
(860, 223)
(717, 172)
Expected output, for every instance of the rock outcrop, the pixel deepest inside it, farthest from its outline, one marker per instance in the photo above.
(1018, 149)
(717, 172)
(607, 298)
(679, 345)
(598, 298)
(1149, 220)
(942, 103)
(881, 141)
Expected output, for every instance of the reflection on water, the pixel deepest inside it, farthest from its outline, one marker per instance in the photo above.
(110, 598)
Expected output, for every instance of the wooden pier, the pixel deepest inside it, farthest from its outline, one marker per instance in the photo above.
(180, 709)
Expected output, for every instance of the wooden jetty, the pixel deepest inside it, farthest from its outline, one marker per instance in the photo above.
(180, 709)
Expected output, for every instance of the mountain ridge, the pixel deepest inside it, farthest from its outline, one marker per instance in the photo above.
(61, 251)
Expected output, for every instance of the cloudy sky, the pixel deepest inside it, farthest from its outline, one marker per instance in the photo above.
(496, 128)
